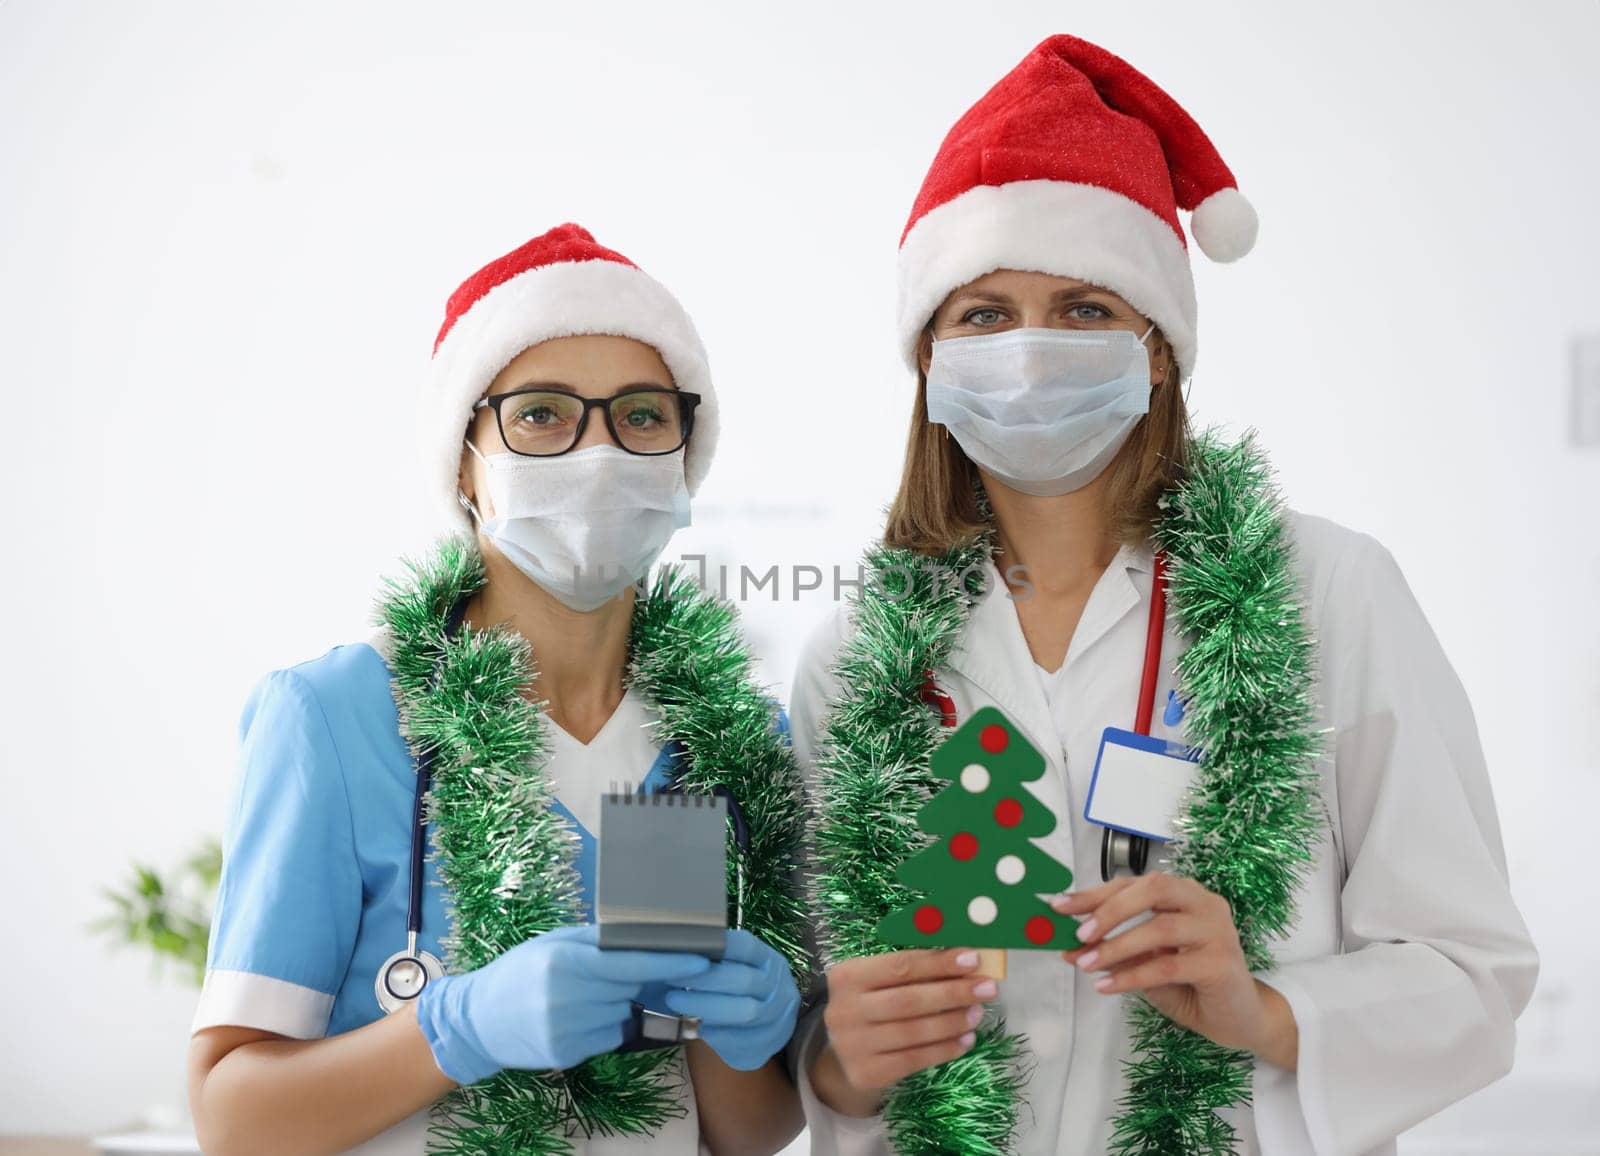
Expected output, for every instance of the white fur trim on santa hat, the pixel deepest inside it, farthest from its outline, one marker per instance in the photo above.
(560, 300)
(1057, 227)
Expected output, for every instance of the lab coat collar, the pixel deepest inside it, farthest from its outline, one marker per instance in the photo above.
(994, 655)
(1140, 557)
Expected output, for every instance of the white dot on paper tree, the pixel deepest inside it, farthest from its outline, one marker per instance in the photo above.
(1009, 869)
(975, 777)
(982, 911)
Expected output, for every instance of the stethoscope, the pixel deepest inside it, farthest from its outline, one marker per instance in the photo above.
(1122, 849)
(407, 972)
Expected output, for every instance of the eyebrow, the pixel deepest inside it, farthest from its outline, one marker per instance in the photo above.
(1058, 295)
(568, 388)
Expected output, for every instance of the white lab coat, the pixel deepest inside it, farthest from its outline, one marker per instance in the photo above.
(1409, 961)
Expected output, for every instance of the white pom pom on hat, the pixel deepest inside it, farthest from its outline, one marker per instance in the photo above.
(1075, 164)
(1224, 225)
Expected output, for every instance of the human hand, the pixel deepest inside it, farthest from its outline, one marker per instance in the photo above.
(893, 1014)
(549, 1002)
(1186, 960)
(746, 1002)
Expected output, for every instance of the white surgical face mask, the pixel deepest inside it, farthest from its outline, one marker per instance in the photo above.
(584, 525)
(1043, 410)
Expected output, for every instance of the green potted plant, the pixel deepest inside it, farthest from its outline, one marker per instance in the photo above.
(170, 916)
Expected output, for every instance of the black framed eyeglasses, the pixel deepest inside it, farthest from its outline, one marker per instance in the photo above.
(541, 421)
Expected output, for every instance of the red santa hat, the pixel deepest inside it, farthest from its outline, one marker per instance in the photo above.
(1074, 164)
(560, 284)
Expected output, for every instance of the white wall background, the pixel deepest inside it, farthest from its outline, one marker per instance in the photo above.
(226, 237)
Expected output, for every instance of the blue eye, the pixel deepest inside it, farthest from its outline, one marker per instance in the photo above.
(1096, 311)
(985, 315)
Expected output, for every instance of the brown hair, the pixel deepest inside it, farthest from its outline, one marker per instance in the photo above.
(936, 507)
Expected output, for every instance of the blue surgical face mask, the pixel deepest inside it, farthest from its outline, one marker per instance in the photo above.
(1043, 410)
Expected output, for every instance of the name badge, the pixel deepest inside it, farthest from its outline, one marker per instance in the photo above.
(1139, 783)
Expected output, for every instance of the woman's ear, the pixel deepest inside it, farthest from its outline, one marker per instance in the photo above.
(1165, 364)
(925, 348)
(465, 490)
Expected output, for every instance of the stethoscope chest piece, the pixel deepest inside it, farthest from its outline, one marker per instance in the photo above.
(403, 976)
(1120, 849)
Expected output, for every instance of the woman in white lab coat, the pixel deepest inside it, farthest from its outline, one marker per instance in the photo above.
(1357, 962)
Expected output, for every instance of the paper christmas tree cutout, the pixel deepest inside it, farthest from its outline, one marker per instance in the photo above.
(980, 882)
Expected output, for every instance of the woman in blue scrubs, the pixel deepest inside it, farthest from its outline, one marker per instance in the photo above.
(568, 417)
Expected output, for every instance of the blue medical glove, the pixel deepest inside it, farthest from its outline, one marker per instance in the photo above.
(747, 1002)
(550, 1002)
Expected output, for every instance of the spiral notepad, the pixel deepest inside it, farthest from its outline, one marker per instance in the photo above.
(662, 879)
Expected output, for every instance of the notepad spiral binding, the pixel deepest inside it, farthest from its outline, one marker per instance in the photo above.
(624, 795)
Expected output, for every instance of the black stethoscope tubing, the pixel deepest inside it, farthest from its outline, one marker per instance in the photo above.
(419, 821)
(404, 974)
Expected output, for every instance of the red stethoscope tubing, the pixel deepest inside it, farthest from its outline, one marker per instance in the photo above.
(1134, 850)
(1152, 646)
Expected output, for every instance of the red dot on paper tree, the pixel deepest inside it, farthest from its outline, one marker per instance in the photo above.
(993, 738)
(963, 845)
(1008, 812)
(1039, 929)
(927, 919)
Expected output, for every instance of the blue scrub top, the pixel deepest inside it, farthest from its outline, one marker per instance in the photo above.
(317, 852)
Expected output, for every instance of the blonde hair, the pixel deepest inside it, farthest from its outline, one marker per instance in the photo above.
(936, 506)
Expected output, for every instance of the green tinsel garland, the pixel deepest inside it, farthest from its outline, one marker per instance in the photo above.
(873, 777)
(1248, 830)
(1251, 824)
(508, 860)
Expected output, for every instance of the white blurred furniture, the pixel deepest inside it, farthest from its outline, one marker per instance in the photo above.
(123, 1144)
